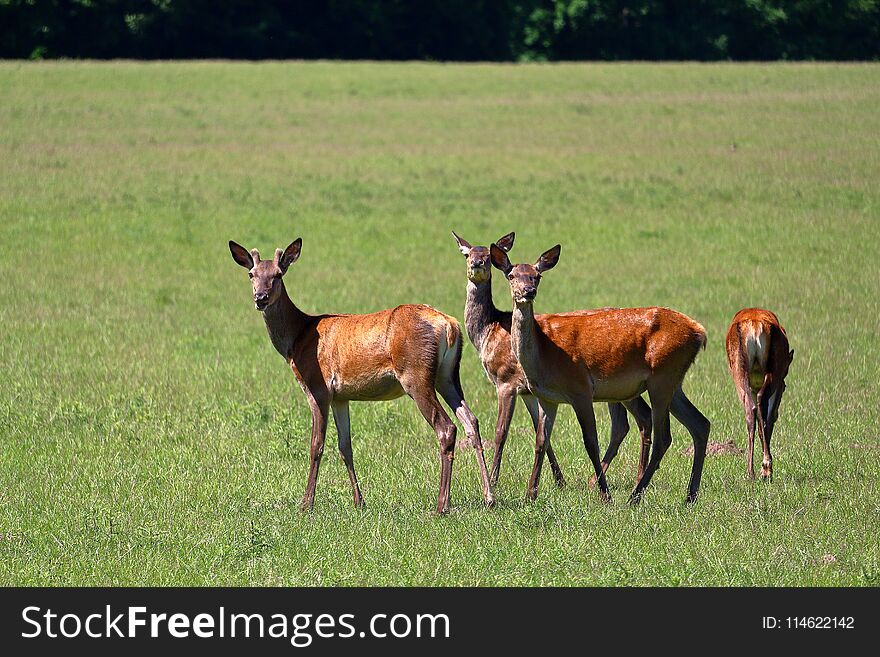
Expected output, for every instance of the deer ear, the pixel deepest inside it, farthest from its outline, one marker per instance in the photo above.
(499, 259)
(506, 242)
(548, 259)
(290, 255)
(241, 255)
(463, 245)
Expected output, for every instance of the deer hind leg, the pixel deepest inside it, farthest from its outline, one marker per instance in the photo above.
(698, 426)
(765, 429)
(450, 389)
(343, 432)
(319, 431)
(619, 429)
(421, 388)
(506, 406)
(531, 403)
(546, 418)
(661, 397)
(740, 375)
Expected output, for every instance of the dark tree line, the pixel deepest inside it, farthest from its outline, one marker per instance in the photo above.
(500, 30)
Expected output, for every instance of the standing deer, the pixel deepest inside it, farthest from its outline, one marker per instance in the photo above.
(610, 356)
(410, 349)
(758, 358)
(489, 331)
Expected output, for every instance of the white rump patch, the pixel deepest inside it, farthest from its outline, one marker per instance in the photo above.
(757, 351)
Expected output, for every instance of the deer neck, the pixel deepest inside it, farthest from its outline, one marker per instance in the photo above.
(479, 311)
(523, 337)
(284, 322)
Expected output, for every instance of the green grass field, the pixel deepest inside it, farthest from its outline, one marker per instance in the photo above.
(149, 433)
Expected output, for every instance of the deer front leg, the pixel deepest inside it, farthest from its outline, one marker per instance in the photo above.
(343, 432)
(319, 431)
(506, 407)
(642, 414)
(546, 417)
(531, 403)
(583, 408)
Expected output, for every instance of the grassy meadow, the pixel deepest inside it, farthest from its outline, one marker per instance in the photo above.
(150, 434)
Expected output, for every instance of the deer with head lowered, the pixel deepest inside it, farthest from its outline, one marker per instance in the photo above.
(758, 358)
(408, 350)
(610, 356)
(489, 331)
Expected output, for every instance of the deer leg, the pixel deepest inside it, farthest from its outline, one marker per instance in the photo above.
(642, 414)
(740, 376)
(343, 432)
(546, 416)
(583, 409)
(531, 403)
(619, 429)
(426, 399)
(767, 463)
(451, 393)
(319, 431)
(751, 412)
(506, 406)
(698, 426)
(661, 397)
(764, 428)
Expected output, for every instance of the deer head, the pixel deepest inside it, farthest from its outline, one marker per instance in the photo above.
(523, 279)
(266, 275)
(478, 267)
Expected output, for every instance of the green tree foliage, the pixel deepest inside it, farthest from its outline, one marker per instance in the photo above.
(502, 30)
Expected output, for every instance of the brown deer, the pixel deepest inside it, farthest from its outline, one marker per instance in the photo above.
(411, 349)
(489, 331)
(609, 356)
(758, 358)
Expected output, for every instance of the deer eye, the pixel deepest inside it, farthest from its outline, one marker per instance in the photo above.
(250, 274)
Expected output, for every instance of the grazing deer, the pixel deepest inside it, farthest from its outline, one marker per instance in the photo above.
(758, 358)
(611, 356)
(410, 349)
(489, 331)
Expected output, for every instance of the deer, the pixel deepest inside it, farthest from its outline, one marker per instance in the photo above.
(758, 357)
(607, 356)
(410, 350)
(488, 329)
